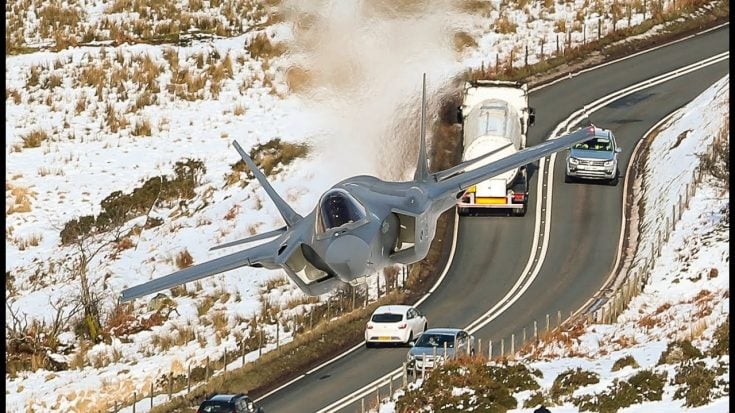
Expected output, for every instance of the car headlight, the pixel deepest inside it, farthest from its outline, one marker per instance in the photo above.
(573, 161)
(609, 163)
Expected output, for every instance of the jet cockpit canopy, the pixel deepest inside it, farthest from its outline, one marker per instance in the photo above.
(337, 208)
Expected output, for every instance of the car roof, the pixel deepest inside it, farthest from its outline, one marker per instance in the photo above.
(443, 331)
(391, 309)
(225, 397)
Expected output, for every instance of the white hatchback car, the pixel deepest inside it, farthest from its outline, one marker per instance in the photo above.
(394, 324)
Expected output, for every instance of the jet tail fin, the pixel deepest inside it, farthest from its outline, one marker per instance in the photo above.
(288, 214)
(422, 169)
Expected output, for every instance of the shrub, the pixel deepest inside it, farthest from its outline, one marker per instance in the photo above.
(570, 380)
(625, 361)
(487, 393)
(644, 386)
(721, 340)
(698, 384)
(516, 377)
(679, 351)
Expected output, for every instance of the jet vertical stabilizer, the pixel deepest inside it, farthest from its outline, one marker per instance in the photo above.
(422, 169)
(288, 214)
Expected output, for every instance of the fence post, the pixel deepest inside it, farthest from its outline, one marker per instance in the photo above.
(547, 322)
(206, 372)
(260, 344)
(512, 344)
(490, 350)
(278, 343)
(479, 346)
(599, 27)
(354, 294)
(584, 33)
(525, 59)
(377, 286)
(405, 375)
(170, 383)
(390, 388)
(135, 399)
(377, 394)
(242, 344)
(362, 409)
(151, 396)
(502, 348)
(558, 318)
(557, 44)
(524, 336)
(542, 49)
(535, 329)
(224, 373)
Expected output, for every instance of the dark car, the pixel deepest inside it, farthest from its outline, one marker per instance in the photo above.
(229, 403)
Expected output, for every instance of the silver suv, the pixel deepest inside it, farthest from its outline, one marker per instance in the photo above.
(596, 158)
(436, 345)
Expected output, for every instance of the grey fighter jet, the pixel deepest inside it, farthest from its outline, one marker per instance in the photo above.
(359, 226)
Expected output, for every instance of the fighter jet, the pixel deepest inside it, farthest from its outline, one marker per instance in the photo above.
(360, 225)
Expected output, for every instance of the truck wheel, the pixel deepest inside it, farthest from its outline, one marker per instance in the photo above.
(519, 212)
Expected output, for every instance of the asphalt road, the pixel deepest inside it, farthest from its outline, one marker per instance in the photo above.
(492, 252)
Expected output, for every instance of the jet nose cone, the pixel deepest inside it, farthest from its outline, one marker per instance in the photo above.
(347, 255)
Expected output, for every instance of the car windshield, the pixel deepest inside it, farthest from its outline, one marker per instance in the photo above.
(387, 318)
(215, 407)
(595, 144)
(435, 340)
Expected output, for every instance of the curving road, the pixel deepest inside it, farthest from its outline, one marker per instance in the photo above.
(495, 253)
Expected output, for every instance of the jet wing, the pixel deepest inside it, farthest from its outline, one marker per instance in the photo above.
(248, 257)
(459, 182)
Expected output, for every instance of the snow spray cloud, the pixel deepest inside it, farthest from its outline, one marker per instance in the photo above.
(362, 62)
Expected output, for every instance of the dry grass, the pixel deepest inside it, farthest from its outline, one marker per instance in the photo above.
(504, 26)
(113, 120)
(30, 241)
(260, 47)
(463, 40)
(205, 305)
(35, 138)
(22, 201)
(14, 95)
(298, 79)
(142, 127)
(184, 259)
(560, 26)
(239, 110)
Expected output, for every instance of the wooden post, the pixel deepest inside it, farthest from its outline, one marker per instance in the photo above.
(479, 346)
(170, 384)
(377, 285)
(524, 336)
(260, 344)
(151, 395)
(329, 305)
(206, 371)
(542, 49)
(510, 61)
(557, 44)
(224, 372)
(584, 32)
(242, 345)
(363, 405)
(558, 318)
(535, 329)
(278, 343)
(354, 293)
(445, 349)
(497, 62)
(599, 27)
(547, 323)
(512, 344)
(188, 380)
(489, 349)
(390, 387)
(405, 375)
(135, 399)
(525, 59)
(377, 394)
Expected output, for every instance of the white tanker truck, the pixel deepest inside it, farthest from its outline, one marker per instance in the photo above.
(495, 118)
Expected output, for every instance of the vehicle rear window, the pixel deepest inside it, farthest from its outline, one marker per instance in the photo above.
(215, 407)
(387, 318)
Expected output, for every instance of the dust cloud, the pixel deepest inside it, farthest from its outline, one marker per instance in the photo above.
(360, 64)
